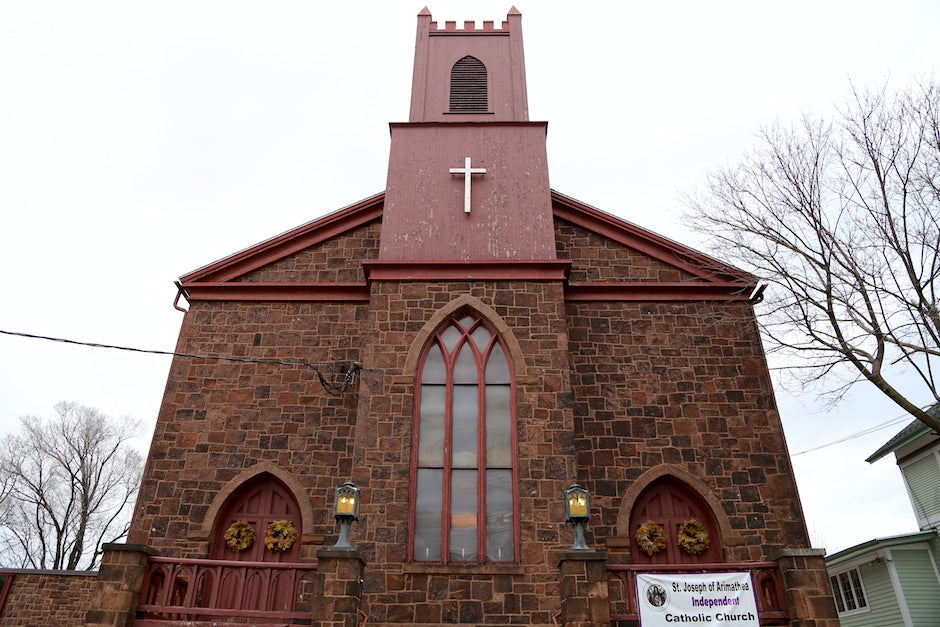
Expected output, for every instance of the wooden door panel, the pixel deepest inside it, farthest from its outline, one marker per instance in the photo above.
(669, 503)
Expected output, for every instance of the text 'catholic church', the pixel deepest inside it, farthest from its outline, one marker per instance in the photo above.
(489, 343)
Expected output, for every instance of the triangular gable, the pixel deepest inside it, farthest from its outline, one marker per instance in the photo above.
(696, 276)
(222, 280)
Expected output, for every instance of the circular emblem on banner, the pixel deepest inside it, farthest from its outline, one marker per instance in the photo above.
(656, 595)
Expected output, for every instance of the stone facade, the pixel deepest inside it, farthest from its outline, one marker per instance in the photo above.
(633, 365)
(683, 385)
(42, 597)
(611, 394)
(219, 418)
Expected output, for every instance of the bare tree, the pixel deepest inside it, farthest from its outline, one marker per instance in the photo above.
(68, 484)
(842, 218)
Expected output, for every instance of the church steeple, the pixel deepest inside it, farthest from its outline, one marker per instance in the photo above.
(468, 173)
(469, 74)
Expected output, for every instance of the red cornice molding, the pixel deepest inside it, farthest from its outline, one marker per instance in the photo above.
(475, 33)
(466, 123)
(647, 242)
(403, 271)
(290, 242)
(547, 270)
(447, 271)
(648, 291)
(305, 292)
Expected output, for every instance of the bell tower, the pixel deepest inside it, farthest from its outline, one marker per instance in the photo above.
(468, 173)
(455, 67)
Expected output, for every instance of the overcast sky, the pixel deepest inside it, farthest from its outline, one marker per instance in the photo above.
(142, 140)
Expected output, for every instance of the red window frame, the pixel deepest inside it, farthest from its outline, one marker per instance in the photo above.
(450, 357)
(5, 586)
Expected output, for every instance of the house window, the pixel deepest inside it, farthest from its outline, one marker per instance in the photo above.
(464, 504)
(848, 592)
(468, 86)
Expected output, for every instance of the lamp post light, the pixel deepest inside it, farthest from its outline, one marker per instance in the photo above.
(577, 513)
(345, 510)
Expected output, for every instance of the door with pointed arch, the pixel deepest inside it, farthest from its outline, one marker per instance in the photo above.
(259, 502)
(669, 503)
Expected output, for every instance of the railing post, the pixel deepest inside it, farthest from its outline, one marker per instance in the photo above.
(584, 599)
(119, 580)
(339, 586)
(806, 582)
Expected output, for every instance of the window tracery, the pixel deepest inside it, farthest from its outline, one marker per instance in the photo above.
(463, 508)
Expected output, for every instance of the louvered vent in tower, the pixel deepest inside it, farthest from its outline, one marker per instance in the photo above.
(468, 85)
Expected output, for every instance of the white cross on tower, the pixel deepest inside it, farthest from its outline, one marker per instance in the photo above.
(466, 170)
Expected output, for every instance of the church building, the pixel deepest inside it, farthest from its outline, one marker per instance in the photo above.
(468, 399)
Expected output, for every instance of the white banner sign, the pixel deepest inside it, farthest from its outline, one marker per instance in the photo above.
(713, 599)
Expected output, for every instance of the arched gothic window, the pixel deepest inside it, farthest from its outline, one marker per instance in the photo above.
(464, 495)
(468, 86)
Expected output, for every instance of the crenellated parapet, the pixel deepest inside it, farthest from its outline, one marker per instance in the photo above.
(513, 19)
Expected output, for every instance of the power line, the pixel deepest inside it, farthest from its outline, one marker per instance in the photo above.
(333, 388)
(349, 375)
(884, 425)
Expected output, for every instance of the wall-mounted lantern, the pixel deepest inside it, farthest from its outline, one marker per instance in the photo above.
(345, 510)
(577, 514)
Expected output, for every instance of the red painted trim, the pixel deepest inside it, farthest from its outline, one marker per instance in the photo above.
(647, 242)
(291, 242)
(650, 291)
(438, 33)
(357, 292)
(489, 124)
(406, 271)
(548, 270)
(5, 589)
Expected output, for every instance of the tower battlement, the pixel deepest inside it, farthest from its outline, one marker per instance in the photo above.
(469, 27)
(499, 50)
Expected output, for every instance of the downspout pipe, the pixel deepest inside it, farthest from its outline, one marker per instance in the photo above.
(758, 294)
(180, 291)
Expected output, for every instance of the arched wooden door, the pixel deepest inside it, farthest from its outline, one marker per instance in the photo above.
(669, 502)
(260, 502)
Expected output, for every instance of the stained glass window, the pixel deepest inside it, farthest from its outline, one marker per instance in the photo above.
(465, 495)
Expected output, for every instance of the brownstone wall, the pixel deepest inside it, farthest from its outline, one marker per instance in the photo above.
(48, 598)
(335, 260)
(219, 418)
(426, 593)
(683, 384)
(596, 258)
(604, 392)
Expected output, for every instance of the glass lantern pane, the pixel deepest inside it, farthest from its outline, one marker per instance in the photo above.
(434, 369)
(499, 524)
(465, 369)
(428, 508)
(431, 426)
(497, 367)
(498, 427)
(463, 516)
(450, 336)
(466, 420)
